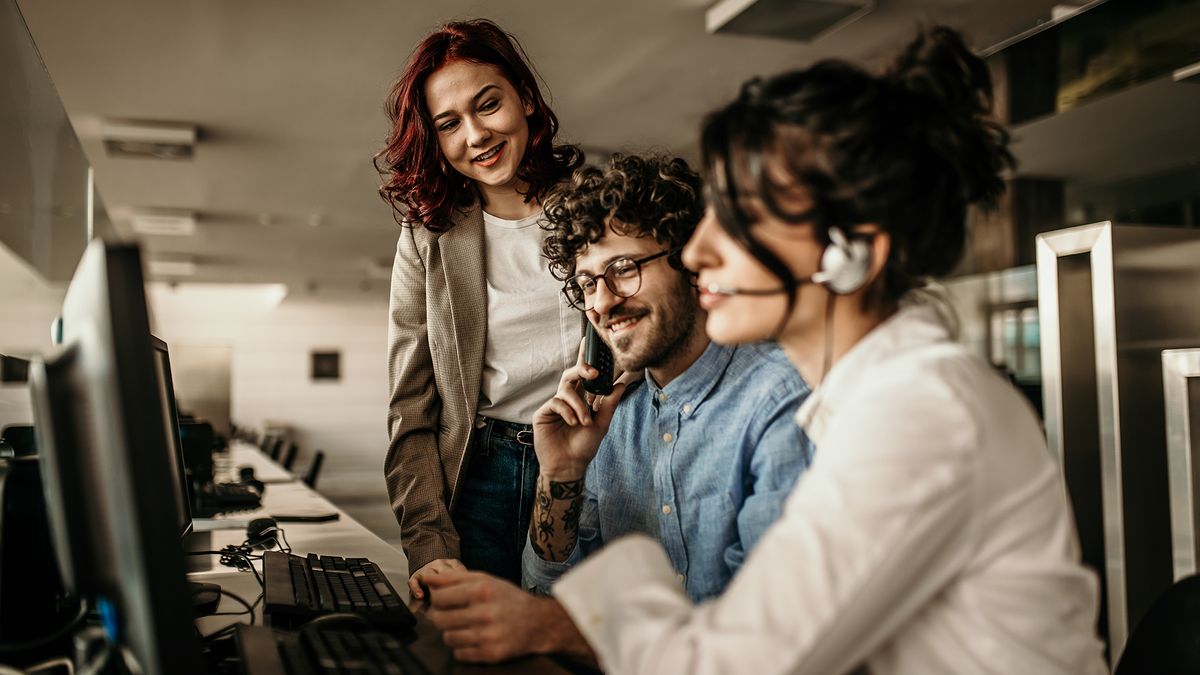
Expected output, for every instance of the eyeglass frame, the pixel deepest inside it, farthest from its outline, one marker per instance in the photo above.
(608, 283)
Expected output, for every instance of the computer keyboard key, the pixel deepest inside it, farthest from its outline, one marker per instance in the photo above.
(298, 589)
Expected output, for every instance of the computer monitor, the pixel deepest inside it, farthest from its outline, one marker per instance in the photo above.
(108, 479)
(166, 394)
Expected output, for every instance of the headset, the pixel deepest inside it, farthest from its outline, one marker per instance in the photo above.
(845, 267)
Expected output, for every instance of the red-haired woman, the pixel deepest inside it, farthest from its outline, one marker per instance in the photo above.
(478, 336)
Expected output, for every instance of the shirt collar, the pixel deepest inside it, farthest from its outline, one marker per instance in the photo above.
(693, 385)
(914, 325)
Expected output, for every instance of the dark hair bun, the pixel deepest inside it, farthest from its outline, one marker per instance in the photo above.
(952, 85)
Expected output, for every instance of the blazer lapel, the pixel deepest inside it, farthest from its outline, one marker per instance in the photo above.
(464, 264)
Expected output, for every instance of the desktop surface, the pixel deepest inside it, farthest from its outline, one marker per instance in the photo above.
(344, 537)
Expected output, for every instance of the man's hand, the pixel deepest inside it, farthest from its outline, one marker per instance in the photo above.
(421, 577)
(485, 619)
(568, 428)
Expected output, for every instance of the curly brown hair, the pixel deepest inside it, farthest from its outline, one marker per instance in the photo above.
(652, 196)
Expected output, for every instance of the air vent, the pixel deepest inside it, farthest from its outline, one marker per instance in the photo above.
(148, 140)
(803, 20)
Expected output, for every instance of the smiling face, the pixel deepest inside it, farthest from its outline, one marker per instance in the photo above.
(723, 262)
(655, 324)
(480, 122)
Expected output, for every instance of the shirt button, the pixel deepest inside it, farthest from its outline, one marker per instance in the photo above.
(687, 407)
(666, 509)
(662, 396)
(667, 437)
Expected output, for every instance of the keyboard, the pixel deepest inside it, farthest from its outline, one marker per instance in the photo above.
(297, 589)
(266, 651)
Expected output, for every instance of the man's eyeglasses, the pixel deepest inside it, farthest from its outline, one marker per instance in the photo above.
(623, 277)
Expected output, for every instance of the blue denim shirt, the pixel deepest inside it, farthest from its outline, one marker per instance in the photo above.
(703, 465)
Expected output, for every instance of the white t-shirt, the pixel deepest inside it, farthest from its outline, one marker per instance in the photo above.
(531, 340)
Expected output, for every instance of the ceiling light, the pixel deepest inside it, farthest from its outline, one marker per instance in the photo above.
(148, 140)
(164, 222)
(802, 20)
(178, 267)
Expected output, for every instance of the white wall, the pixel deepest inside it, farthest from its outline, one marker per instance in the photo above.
(271, 343)
(27, 307)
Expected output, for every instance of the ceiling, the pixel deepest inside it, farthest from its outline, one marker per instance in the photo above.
(288, 97)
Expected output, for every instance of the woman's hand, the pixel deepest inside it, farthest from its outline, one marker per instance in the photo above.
(417, 582)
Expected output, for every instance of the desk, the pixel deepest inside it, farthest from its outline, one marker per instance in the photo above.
(344, 537)
(241, 453)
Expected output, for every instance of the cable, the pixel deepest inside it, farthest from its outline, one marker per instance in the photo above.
(283, 535)
(52, 663)
(6, 648)
(229, 554)
(240, 599)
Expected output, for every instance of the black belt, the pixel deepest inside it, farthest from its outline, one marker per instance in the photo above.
(521, 433)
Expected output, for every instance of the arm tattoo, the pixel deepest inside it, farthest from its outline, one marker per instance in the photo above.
(555, 524)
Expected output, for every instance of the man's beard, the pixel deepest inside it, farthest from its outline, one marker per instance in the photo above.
(675, 327)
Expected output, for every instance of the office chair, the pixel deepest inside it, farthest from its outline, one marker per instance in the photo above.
(277, 449)
(1167, 640)
(289, 457)
(314, 469)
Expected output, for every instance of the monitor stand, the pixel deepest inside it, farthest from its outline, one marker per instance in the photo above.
(205, 598)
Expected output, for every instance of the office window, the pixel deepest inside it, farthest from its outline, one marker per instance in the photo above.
(1015, 340)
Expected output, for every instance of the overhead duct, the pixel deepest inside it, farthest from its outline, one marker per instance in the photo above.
(802, 20)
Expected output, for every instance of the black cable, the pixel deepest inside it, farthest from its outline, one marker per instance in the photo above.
(283, 535)
(8, 648)
(240, 599)
(232, 553)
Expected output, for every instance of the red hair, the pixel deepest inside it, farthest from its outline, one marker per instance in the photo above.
(421, 186)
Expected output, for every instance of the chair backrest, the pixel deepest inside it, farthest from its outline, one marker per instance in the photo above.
(289, 457)
(277, 449)
(1167, 639)
(314, 469)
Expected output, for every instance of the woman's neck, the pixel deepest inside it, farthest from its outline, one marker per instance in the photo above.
(815, 349)
(507, 202)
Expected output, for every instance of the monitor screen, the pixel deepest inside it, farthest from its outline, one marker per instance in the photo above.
(166, 395)
(104, 439)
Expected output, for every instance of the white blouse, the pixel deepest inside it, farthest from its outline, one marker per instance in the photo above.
(932, 534)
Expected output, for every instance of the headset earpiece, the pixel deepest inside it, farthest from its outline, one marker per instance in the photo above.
(845, 264)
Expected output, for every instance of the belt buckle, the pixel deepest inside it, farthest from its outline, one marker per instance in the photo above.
(525, 437)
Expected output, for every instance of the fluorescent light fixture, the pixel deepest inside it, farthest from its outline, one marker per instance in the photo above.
(171, 268)
(164, 222)
(148, 140)
(802, 20)
(230, 298)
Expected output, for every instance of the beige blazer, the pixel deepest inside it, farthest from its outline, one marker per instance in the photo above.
(436, 339)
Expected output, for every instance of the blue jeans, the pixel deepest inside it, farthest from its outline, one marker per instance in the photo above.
(495, 502)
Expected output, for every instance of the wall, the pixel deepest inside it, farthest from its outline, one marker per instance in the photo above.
(27, 307)
(269, 343)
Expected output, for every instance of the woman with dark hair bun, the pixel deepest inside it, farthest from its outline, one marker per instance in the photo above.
(932, 533)
(478, 337)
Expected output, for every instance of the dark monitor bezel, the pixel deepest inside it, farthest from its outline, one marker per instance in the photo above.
(140, 572)
(168, 391)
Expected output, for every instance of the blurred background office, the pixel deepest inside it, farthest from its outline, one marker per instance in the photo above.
(234, 140)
